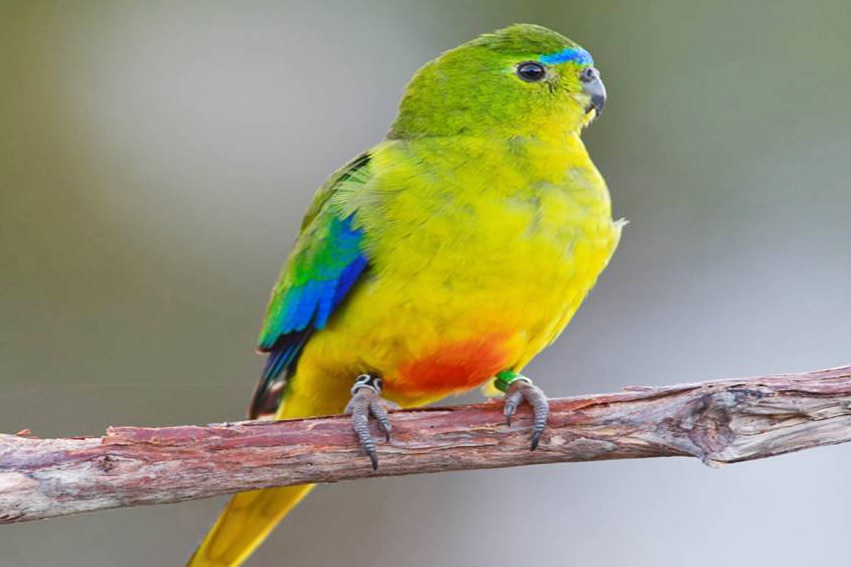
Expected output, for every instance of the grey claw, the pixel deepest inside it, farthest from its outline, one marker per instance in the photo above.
(360, 423)
(524, 390)
(373, 457)
(512, 401)
(366, 400)
(536, 437)
(380, 412)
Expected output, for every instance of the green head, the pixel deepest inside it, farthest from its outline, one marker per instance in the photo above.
(524, 80)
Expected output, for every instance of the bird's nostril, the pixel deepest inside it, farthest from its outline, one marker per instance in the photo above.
(589, 74)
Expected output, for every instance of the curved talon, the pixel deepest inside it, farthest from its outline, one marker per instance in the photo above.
(380, 413)
(366, 400)
(512, 400)
(518, 389)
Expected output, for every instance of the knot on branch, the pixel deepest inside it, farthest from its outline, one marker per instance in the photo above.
(709, 422)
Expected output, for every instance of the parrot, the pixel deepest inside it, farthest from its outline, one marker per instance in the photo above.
(443, 259)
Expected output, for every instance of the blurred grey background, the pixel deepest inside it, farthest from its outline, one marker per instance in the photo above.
(156, 157)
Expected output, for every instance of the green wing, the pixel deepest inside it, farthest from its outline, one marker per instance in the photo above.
(325, 263)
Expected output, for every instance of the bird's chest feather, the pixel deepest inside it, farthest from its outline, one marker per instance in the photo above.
(508, 235)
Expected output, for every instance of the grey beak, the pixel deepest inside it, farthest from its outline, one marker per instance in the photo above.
(594, 87)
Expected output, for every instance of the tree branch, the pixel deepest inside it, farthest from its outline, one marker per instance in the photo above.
(718, 422)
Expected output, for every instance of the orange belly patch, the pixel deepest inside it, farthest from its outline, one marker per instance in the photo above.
(456, 367)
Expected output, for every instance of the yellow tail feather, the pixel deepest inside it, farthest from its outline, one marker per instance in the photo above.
(244, 524)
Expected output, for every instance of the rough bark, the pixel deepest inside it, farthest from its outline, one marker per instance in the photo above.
(718, 422)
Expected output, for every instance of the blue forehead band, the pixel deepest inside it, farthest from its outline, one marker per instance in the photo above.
(573, 54)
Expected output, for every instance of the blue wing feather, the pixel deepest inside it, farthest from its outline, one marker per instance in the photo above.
(311, 303)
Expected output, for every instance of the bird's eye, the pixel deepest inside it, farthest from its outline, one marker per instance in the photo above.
(589, 74)
(531, 71)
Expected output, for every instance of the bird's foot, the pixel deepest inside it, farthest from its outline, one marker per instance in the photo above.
(519, 389)
(366, 400)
